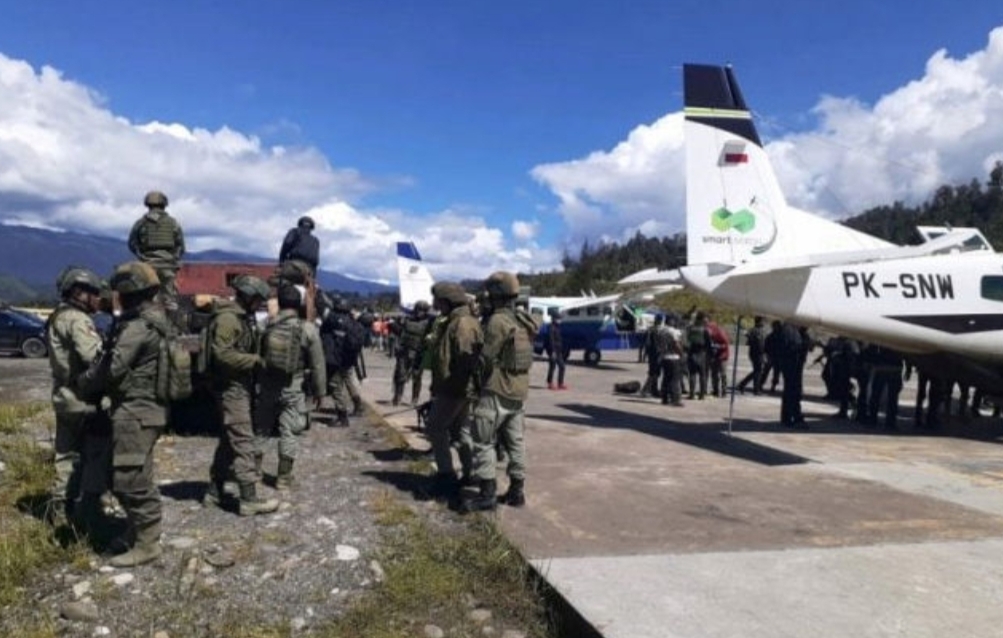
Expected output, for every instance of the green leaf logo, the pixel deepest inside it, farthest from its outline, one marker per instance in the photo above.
(724, 220)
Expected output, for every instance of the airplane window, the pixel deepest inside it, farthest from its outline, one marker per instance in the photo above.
(574, 312)
(992, 287)
(592, 311)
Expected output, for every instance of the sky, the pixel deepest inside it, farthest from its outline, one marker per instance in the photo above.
(495, 135)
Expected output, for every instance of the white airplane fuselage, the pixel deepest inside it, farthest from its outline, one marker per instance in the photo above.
(922, 305)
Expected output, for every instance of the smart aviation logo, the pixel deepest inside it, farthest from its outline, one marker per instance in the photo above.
(724, 220)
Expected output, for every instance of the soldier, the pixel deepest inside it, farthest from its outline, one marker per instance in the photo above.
(74, 343)
(791, 354)
(233, 363)
(300, 244)
(412, 333)
(698, 347)
(670, 352)
(290, 346)
(156, 238)
(652, 353)
(455, 346)
(128, 372)
(343, 340)
(755, 339)
(717, 358)
(504, 385)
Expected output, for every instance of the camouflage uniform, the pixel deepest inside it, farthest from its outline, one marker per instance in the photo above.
(455, 345)
(282, 399)
(499, 412)
(127, 374)
(81, 449)
(233, 360)
(157, 239)
(410, 349)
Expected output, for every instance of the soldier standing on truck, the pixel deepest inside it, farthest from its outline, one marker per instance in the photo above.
(157, 239)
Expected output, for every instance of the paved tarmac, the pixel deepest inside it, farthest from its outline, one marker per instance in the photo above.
(652, 521)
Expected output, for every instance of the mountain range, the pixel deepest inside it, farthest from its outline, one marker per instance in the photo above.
(30, 259)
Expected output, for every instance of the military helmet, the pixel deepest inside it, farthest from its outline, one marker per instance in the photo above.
(340, 304)
(306, 222)
(133, 277)
(250, 286)
(155, 199)
(421, 306)
(453, 293)
(502, 284)
(76, 276)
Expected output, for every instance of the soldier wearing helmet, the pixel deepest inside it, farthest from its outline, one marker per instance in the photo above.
(454, 347)
(157, 239)
(127, 374)
(301, 245)
(412, 332)
(343, 338)
(233, 362)
(73, 343)
(504, 385)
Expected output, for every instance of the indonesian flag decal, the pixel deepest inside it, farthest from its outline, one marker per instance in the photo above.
(734, 153)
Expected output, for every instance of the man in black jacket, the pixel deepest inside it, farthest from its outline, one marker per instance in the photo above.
(301, 245)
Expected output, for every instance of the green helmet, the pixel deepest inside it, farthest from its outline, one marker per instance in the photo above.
(133, 277)
(155, 199)
(451, 292)
(421, 306)
(502, 284)
(250, 286)
(75, 276)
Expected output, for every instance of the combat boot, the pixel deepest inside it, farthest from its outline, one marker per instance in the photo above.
(485, 501)
(146, 549)
(214, 494)
(284, 476)
(444, 486)
(251, 504)
(340, 419)
(515, 496)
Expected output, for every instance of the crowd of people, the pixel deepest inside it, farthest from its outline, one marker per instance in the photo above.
(113, 393)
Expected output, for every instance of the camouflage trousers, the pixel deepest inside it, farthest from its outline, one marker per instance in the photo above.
(237, 449)
(282, 407)
(168, 287)
(449, 424)
(343, 389)
(497, 419)
(82, 455)
(132, 479)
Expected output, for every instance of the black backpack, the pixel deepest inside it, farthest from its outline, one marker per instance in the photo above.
(343, 339)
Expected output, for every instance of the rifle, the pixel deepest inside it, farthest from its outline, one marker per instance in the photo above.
(360, 366)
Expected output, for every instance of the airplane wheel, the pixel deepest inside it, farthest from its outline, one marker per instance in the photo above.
(592, 357)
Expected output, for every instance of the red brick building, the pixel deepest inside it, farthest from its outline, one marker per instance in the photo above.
(214, 277)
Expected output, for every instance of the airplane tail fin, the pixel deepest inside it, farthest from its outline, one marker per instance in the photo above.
(415, 279)
(735, 210)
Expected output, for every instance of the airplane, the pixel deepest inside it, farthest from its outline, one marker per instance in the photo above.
(590, 323)
(940, 303)
(414, 277)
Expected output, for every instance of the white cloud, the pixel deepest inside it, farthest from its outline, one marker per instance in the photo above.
(944, 127)
(525, 230)
(67, 161)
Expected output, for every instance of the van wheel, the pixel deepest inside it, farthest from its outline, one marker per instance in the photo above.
(33, 348)
(592, 357)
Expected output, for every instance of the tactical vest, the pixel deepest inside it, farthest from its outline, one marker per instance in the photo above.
(413, 334)
(157, 234)
(282, 345)
(517, 353)
(696, 337)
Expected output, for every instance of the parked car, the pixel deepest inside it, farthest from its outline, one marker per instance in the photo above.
(22, 333)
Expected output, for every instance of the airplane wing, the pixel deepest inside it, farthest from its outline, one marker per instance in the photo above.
(653, 276)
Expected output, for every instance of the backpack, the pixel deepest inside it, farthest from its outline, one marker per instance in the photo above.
(281, 345)
(157, 234)
(203, 361)
(343, 339)
(174, 368)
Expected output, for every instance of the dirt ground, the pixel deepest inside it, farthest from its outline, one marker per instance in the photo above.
(24, 380)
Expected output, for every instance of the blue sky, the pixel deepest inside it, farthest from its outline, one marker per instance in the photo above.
(495, 135)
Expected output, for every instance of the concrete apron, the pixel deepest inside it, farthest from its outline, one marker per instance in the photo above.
(652, 522)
